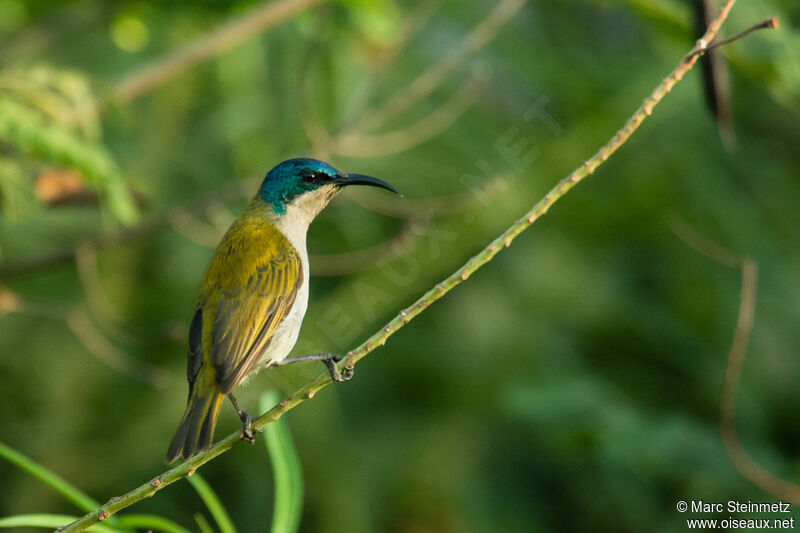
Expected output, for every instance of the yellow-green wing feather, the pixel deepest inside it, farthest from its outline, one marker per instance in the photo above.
(246, 292)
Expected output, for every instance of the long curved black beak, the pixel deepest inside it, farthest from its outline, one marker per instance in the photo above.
(343, 180)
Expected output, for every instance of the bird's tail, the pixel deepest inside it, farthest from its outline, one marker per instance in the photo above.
(196, 429)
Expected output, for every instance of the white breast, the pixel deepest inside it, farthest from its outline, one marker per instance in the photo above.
(285, 335)
(294, 225)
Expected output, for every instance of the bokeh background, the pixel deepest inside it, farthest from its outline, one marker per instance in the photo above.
(571, 384)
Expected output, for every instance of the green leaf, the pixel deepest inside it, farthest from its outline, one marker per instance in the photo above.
(287, 471)
(202, 523)
(211, 500)
(150, 521)
(56, 482)
(49, 521)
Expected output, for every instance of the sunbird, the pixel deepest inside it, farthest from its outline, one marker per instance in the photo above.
(254, 294)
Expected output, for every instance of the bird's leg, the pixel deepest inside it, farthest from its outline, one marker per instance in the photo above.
(247, 421)
(328, 359)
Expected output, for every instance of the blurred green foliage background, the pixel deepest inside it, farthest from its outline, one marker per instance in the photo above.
(571, 384)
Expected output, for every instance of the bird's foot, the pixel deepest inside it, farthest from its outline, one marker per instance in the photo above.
(333, 370)
(248, 432)
(329, 360)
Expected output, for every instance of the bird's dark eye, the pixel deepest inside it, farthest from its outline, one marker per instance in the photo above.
(315, 177)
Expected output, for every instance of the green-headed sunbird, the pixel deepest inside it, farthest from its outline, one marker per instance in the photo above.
(254, 294)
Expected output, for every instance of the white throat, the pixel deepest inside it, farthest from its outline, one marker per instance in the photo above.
(299, 215)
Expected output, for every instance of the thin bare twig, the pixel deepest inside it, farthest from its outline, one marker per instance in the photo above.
(769, 23)
(740, 459)
(222, 39)
(230, 191)
(703, 245)
(447, 205)
(315, 130)
(196, 230)
(203, 232)
(432, 78)
(419, 17)
(99, 307)
(380, 144)
(220, 216)
(317, 133)
(88, 335)
(111, 356)
(365, 258)
(405, 316)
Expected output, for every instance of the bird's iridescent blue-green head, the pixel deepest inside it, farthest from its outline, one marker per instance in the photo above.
(310, 179)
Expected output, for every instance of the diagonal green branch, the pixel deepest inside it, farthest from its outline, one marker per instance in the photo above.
(378, 339)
